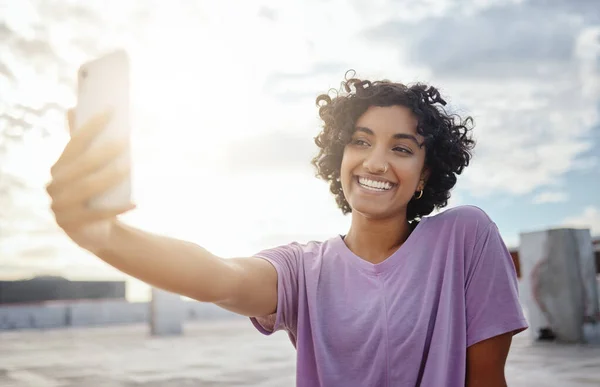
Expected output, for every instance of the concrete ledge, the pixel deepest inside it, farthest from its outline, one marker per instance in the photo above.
(200, 311)
(33, 317)
(96, 313)
(107, 313)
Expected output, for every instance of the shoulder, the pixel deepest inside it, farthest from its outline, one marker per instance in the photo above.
(467, 215)
(308, 248)
(298, 250)
(468, 220)
(465, 212)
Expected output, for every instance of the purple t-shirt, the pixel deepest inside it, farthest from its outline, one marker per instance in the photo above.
(406, 321)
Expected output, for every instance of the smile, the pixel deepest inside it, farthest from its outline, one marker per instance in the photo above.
(374, 185)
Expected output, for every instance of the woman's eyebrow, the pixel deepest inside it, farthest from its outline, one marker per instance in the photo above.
(396, 136)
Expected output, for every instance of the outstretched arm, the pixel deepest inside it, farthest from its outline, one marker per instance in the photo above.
(247, 286)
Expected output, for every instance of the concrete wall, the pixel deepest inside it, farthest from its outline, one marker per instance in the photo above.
(93, 313)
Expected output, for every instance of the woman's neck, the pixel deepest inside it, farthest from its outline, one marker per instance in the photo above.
(374, 240)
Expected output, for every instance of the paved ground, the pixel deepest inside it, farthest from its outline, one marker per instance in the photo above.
(223, 353)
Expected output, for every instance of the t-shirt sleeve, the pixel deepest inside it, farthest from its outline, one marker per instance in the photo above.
(492, 295)
(285, 259)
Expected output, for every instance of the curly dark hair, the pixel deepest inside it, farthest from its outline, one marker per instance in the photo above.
(448, 142)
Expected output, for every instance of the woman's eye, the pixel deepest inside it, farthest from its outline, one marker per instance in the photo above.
(402, 150)
(360, 142)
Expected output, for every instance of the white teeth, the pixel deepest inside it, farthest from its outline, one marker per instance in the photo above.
(374, 185)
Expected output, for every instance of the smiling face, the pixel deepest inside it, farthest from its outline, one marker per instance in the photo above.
(384, 163)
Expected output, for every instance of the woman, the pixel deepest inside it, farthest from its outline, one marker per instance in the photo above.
(400, 300)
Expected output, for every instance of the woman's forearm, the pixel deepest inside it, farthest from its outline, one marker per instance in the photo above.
(168, 263)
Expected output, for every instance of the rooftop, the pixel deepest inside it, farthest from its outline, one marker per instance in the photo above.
(224, 353)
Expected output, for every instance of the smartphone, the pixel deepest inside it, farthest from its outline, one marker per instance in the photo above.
(103, 85)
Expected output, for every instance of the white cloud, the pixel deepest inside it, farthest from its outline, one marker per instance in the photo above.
(588, 51)
(589, 218)
(550, 197)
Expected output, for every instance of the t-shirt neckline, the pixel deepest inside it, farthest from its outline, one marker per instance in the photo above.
(389, 262)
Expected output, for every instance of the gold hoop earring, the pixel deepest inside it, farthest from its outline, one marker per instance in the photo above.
(420, 195)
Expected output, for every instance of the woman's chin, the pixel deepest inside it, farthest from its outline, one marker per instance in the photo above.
(371, 211)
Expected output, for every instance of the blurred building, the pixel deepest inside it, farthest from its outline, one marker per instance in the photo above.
(41, 289)
(514, 252)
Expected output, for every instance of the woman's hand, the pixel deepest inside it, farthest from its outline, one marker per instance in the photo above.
(82, 173)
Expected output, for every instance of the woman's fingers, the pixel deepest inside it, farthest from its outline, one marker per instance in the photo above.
(88, 187)
(80, 140)
(83, 173)
(95, 159)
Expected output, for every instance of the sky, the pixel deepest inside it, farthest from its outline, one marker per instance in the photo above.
(224, 113)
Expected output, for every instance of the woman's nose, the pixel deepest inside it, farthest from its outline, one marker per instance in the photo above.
(376, 162)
